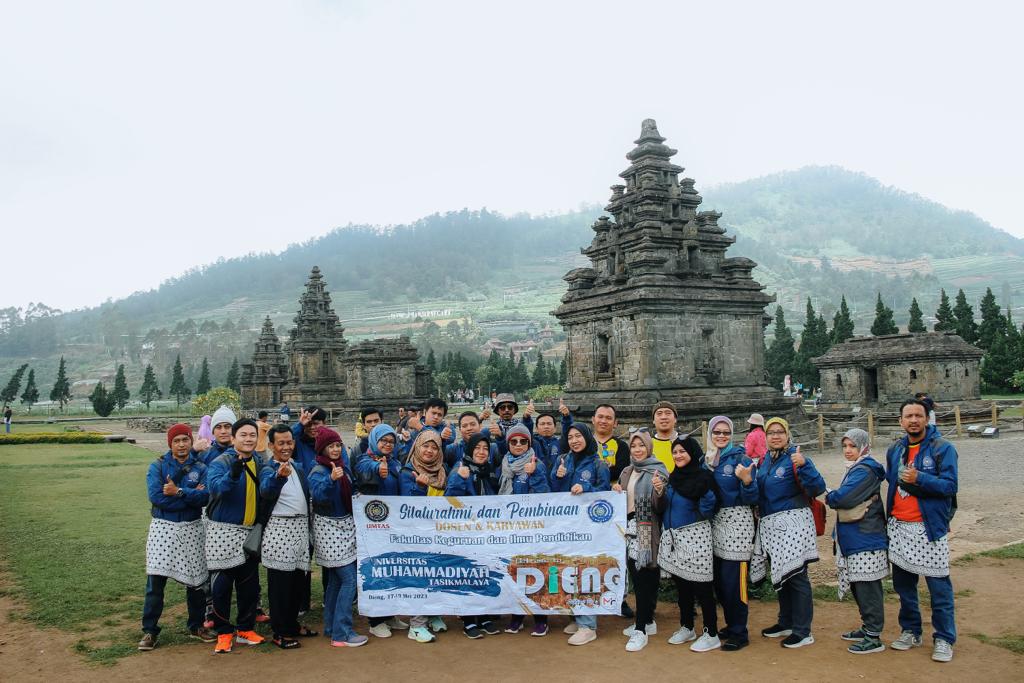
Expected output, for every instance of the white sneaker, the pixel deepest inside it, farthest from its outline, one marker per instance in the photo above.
(637, 641)
(943, 651)
(571, 628)
(683, 635)
(583, 636)
(380, 631)
(437, 625)
(396, 624)
(421, 635)
(651, 629)
(706, 642)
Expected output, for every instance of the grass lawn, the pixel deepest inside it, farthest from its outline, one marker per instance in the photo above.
(75, 519)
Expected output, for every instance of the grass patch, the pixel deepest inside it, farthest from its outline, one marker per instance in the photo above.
(1013, 643)
(1007, 552)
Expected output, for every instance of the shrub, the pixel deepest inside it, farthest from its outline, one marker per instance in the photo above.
(207, 403)
(54, 437)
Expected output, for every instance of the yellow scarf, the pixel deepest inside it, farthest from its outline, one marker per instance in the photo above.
(250, 494)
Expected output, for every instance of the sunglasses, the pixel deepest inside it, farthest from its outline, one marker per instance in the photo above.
(518, 442)
(720, 433)
(634, 430)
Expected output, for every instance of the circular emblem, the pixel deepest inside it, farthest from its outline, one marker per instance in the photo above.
(928, 462)
(781, 472)
(727, 470)
(376, 511)
(600, 511)
(585, 475)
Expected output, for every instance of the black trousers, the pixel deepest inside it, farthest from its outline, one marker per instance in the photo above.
(645, 585)
(244, 580)
(285, 591)
(796, 604)
(704, 593)
(870, 597)
(731, 591)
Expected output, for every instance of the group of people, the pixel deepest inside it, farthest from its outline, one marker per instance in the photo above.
(713, 516)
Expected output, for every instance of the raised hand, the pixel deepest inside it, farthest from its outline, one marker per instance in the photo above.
(495, 430)
(485, 414)
(531, 466)
(421, 479)
(908, 475)
(305, 417)
(561, 471)
(446, 433)
(745, 474)
(200, 445)
(337, 472)
(562, 408)
(798, 458)
(382, 470)
(170, 489)
(464, 472)
(658, 483)
(415, 423)
(530, 409)
(285, 470)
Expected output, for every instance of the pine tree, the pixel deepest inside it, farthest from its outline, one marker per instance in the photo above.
(120, 392)
(963, 319)
(203, 385)
(780, 357)
(998, 364)
(520, 376)
(149, 391)
(814, 341)
(179, 390)
(61, 392)
(10, 392)
(884, 323)
(944, 320)
(234, 376)
(102, 401)
(540, 372)
(916, 323)
(432, 362)
(993, 324)
(31, 393)
(842, 324)
(563, 373)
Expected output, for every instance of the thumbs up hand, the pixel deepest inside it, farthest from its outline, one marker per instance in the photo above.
(421, 479)
(495, 429)
(530, 409)
(170, 489)
(745, 474)
(337, 472)
(446, 433)
(561, 471)
(658, 483)
(382, 470)
(562, 408)
(798, 458)
(464, 472)
(531, 466)
(485, 414)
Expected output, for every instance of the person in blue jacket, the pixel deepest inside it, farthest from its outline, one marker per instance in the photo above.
(546, 443)
(785, 481)
(474, 476)
(304, 432)
(233, 482)
(176, 484)
(732, 528)
(469, 424)
(434, 412)
(331, 488)
(860, 541)
(921, 469)
(686, 505)
(220, 425)
(580, 470)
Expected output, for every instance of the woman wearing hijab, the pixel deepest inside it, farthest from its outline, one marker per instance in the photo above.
(643, 533)
(334, 536)
(473, 476)
(423, 475)
(861, 543)
(206, 428)
(686, 508)
(732, 528)
(786, 534)
(580, 470)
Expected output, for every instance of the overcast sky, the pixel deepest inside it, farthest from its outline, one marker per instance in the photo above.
(138, 139)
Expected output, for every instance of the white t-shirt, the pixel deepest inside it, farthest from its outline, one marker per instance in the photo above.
(292, 501)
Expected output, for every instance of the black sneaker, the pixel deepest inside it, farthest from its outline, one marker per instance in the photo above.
(776, 631)
(490, 628)
(473, 632)
(794, 641)
(627, 611)
(732, 644)
(854, 636)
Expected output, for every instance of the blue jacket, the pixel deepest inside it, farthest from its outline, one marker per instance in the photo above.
(453, 454)
(187, 476)
(778, 489)
(271, 484)
(226, 483)
(732, 491)
(368, 476)
(325, 492)
(592, 474)
(546, 448)
(862, 482)
(407, 485)
(457, 486)
(524, 483)
(678, 511)
(935, 486)
(212, 452)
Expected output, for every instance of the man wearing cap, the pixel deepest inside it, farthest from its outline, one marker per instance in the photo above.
(664, 433)
(755, 444)
(505, 407)
(220, 423)
(176, 483)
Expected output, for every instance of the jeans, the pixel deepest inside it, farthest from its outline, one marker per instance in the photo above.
(586, 621)
(154, 605)
(731, 591)
(338, 598)
(245, 580)
(645, 585)
(796, 604)
(941, 590)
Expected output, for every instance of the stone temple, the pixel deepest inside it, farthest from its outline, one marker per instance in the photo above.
(662, 312)
(318, 366)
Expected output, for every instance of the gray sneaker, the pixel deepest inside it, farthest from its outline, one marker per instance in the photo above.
(906, 641)
(943, 651)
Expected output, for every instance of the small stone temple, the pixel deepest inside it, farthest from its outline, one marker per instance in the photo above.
(318, 366)
(884, 371)
(662, 312)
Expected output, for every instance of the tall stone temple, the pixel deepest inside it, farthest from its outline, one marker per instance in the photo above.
(318, 366)
(662, 312)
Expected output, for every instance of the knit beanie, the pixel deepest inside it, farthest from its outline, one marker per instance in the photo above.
(222, 415)
(664, 404)
(519, 430)
(325, 436)
(178, 430)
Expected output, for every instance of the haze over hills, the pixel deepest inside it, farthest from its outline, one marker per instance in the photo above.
(819, 232)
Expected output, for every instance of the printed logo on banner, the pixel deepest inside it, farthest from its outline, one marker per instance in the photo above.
(600, 511)
(434, 572)
(376, 511)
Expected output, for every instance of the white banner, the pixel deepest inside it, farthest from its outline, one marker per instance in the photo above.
(550, 553)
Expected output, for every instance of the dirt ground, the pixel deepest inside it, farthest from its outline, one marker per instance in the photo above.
(990, 514)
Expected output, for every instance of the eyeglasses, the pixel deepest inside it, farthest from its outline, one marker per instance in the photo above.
(518, 442)
(721, 433)
(775, 432)
(385, 440)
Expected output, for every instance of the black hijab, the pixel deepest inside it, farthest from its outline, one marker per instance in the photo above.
(692, 480)
(480, 473)
(591, 443)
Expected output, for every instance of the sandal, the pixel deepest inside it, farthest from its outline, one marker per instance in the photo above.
(306, 632)
(287, 643)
